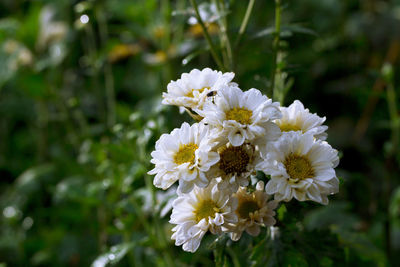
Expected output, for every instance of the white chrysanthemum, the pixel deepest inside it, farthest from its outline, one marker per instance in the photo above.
(242, 115)
(192, 89)
(185, 155)
(300, 167)
(254, 210)
(235, 166)
(297, 118)
(202, 210)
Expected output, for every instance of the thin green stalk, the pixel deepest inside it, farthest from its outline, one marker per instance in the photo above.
(166, 15)
(108, 76)
(224, 53)
(225, 37)
(245, 21)
(178, 36)
(394, 115)
(213, 50)
(276, 42)
(42, 124)
(166, 41)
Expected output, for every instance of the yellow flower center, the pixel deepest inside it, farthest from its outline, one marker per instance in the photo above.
(201, 90)
(234, 159)
(287, 127)
(298, 167)
(240, 115)
(246, 207)
(206, 208)
(185, 154)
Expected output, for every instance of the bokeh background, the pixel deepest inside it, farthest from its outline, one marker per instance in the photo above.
(80, 111)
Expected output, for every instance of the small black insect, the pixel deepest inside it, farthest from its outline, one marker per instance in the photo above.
(212, 93)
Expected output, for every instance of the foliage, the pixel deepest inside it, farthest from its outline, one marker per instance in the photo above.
(80, 86)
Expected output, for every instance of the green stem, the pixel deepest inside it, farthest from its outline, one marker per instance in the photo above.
(166, 41)
(275, 68)
(225, 37)
(108, 76)
(394, 115)
(245, 21)
(207, 36)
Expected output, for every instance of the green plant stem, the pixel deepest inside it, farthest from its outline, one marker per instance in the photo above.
(166, 40)
(245, 21)
(213, 50)
(108, 76)
(394, 116)
(275, 68)
(42, 123)
(225, 38)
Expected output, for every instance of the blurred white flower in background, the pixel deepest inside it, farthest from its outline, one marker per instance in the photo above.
(208, 14)
(50, 31)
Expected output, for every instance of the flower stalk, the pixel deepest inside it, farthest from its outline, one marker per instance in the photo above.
(276, 66)
(245, 21)
(213, 49)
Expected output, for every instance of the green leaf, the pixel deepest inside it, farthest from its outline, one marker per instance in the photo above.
(294, 258)
(281, 212)
(286, 31)
(295, 28)
(113, 256)
(29, 180)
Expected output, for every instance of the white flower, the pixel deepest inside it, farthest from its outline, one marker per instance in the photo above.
(197, 212)
(192, 89)
(300, 167)
(296, 118)
(242, 115)
(254, 210)
(208, 14)
(185, 155)
(50, 31)
(235, 166)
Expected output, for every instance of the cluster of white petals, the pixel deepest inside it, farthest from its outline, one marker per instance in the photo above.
(301, 167)
(192, 89)
(201, 210)
(237, 134)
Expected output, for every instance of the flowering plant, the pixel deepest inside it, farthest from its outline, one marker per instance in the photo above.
(215, 160)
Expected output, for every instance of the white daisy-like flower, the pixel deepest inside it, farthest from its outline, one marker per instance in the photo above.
(300, 167)
(242, 115)
(185, 155)
(201, 210)
(192, 89)
(235, 166)
(297, 118)
(254, 210)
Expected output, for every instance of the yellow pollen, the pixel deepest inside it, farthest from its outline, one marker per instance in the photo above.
(190, 94)
(206, 208)
(185, 154)
(240, 115)
(246, 207)
(287, 127)
(298, 167)
(234, 160)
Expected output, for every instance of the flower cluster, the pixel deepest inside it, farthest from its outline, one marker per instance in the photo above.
(238, 133)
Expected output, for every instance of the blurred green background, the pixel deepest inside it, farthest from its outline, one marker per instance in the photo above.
(80, 111)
